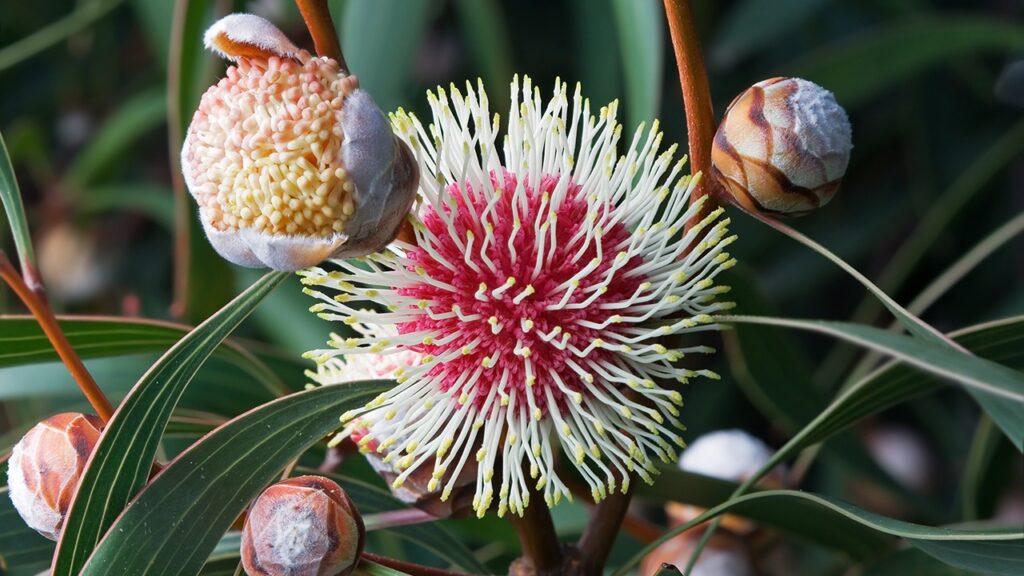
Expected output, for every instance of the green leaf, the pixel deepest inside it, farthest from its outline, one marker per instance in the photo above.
(23, 342)
(84, 15)
(865, 66)
(381, 39)
(121, 462)
(971, 371)
(136, 117)
(10, 200)
(23, 552)
(754, 24)
(912, 562)
(483, 25)
(175, 522)
(155, 202)
(641, 35)
(674, 485)
(432, 536)
(991, 550)
(1001, 341)
(600, 68)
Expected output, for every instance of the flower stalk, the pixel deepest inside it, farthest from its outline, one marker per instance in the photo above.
(39, 308)
(700, 116)
(325, 39)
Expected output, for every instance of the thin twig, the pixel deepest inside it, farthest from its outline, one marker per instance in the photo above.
(700, 115)
(321, 28)
(394, 518)
(408, 567)
(182, 205)
(48, 322)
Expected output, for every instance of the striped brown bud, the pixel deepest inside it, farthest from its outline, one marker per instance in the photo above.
(782, 147)
(46, 466)
(303, 526)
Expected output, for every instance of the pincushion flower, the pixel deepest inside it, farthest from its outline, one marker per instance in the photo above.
(289, 160)
(548, 293)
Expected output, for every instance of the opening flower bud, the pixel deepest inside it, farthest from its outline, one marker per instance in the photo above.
(782, 147)
(289, 160)
(303, 526)
(46, 466)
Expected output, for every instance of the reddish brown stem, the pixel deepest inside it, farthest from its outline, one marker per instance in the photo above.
(537, 535)
(182, 206)
(48, 322)
(700, 115)
(597, 540)
(321, 28)
(408, 567)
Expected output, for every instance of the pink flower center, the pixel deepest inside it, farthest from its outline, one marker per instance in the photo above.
(510, 330)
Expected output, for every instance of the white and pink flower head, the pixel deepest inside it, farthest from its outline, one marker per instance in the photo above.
(289, 161)
(547, 274)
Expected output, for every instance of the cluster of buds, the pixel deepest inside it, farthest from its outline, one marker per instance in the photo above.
(46, 467)
(303, 526)
(289, 160)
(782, 147)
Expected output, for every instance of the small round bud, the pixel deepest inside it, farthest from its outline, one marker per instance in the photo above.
(782, 147)
(303, 526)
(46, 466)
(290, 161)
(732, 455)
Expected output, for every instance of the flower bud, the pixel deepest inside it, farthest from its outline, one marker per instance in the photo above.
(732, 455)
(289, 160)
(782, 147)
(46, 466)
(303, 526)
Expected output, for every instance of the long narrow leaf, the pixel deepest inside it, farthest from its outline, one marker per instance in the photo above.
(991, 550)
(121, 462)
(178, 518)
(10, 200)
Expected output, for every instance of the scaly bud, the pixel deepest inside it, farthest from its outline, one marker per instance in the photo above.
(290, 162)
(46, 466)
(303, 526)
(782, 147)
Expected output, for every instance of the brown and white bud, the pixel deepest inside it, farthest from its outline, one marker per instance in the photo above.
(290, 161)
(303, 526)
(46, 467)
(782, 147)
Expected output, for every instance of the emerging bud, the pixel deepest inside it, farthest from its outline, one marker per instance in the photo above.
(782, 147)
(732, 455)
(289, 161)
(303, 526)
(46, 466)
